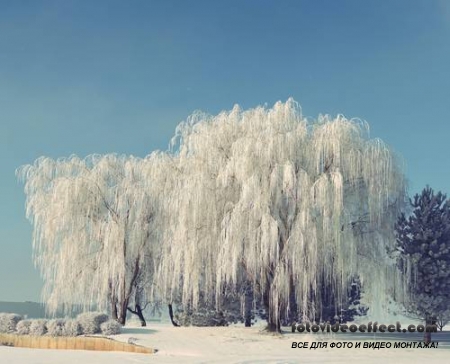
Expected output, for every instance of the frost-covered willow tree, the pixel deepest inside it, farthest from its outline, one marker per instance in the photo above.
(95, 235)
(266, 197)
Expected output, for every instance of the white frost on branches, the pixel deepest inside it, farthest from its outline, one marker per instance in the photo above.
(95, 227)
(261, 197)
(268, 197)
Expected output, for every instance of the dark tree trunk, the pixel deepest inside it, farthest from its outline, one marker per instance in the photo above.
(272, 324)
(138, 313)
(123, 306)
(430, 320)
(171, 316)
(113, 301)
(248, 321)
(248, 306)
(114, 310)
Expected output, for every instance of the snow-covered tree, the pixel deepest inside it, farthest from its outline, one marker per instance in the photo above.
(95, 238)
(267, 197)
(260, 205)
(423, 243)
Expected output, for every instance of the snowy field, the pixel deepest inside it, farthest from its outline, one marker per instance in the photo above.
(236, 344)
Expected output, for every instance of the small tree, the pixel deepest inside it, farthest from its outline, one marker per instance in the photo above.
(344, 311)
(443, 320)
(423, 242)
(95, 238)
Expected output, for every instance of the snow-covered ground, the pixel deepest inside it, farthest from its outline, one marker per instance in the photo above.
(236, 344)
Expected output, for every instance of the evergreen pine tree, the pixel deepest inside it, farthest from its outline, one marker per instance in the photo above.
(423, 241)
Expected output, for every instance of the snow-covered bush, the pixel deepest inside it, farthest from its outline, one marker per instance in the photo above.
(8, 322)
(38, 327)
(23, 327)
(55, 327)
(90, 322)
(71, 328)
(111, 327)
(204, 316)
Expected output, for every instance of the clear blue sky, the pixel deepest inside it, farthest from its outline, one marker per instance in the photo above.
(118, 76)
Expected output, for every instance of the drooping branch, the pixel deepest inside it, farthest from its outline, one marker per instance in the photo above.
(274, 195)
(262, 196)
(84, 213)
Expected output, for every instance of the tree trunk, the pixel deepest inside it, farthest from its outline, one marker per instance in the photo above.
(113, 301)
(114, 309)
(248, 321)
(123, 306)
(430, 320)
(138, 313)
(171, 316)
(248, 306)
(272, 324)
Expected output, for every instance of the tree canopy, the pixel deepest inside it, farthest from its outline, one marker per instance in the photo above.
(262, 197)
(269, 197)
(95, 228)
(423, 245)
